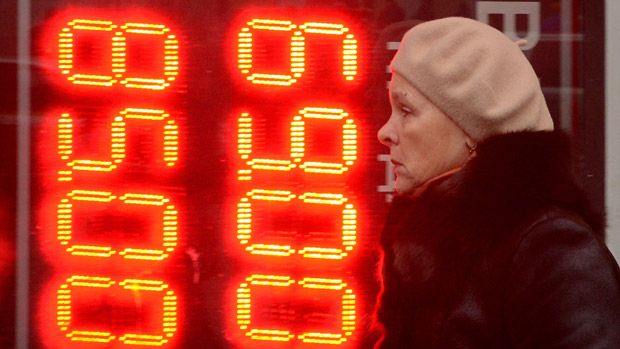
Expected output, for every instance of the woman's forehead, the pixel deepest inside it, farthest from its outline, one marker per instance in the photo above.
(398, 86)
(401, 89)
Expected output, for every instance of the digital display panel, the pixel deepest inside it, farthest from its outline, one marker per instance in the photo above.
(162, 187)
(207, 174)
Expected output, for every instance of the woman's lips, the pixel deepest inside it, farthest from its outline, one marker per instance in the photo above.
(396, 165)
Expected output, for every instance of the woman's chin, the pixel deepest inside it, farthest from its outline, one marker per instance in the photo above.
(405, 187)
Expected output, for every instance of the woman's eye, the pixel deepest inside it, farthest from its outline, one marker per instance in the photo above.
(406, 110)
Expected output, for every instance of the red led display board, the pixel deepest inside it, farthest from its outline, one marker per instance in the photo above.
(205, 174)
(168, 193)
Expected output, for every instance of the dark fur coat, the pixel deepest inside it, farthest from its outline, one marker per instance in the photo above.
(506, 253)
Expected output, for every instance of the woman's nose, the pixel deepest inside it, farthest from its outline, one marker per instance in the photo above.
(386, 135)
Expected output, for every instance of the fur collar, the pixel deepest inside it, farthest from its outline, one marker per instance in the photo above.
(528, 172)
(462, 229)
(512, 178)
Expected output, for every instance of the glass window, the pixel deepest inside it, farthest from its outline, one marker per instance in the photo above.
(184, 174)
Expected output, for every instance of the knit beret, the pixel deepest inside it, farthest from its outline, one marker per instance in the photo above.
(475, 74)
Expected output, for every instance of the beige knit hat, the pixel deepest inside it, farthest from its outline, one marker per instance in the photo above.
(475, 74)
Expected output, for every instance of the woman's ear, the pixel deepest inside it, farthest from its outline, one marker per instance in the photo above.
(471, 145)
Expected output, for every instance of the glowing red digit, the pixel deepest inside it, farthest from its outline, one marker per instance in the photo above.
(298, 144)
(348, 228)
(245, 226)
(118, 67)
(117, 142)
(244, 309)
(245, 52)
(171, 56)
(66, 52)
(348, 318)
(244, 221)
(169, 313)
(297, 49)
(245, 149)
(64, 310)
(65, 217)
(349, 44)
(349, 140)
(110, 67)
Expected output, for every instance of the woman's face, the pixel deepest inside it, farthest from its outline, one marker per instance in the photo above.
(424, 142)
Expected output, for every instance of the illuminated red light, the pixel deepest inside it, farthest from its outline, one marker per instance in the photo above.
(76, 170)
(298, 156)
(297, 49)
(169, 225)
(118, 69)
(245, 301)
(268, 203)
(349, 44)
(96, 56)
(171, 56)
(245, 215)
(66, 52)
(64, 310)
(349, 140)
(118, 133)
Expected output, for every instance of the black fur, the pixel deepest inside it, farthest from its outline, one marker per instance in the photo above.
(516, 174)
(435, 244)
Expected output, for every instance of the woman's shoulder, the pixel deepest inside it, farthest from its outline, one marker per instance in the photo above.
(563, 283)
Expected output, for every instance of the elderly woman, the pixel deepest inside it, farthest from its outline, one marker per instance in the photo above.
(490, 244)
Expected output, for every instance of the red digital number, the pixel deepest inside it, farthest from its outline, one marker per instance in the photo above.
(245, 49)
(169, 223)
(118, 139)
(65, 310)
(245, 309)
(297, 156)
(347, 212)
(124, 46)
(118, 35)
